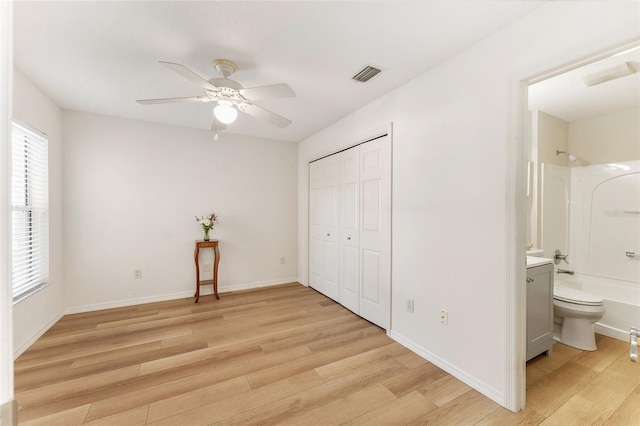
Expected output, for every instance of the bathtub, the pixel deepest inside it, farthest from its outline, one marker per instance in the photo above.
(621, 301)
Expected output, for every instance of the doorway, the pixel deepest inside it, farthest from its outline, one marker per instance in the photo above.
(568, 111)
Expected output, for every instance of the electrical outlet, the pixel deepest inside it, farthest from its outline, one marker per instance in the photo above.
(283, 260)
(137, 273)
(207, 267)
(444, 317)
(410, 305)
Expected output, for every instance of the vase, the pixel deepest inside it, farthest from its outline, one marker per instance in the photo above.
(206, 235)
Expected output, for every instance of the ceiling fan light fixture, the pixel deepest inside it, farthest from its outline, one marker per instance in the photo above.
(225, 112)
(230, 95)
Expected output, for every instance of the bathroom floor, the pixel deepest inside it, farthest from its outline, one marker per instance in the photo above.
(574, 387)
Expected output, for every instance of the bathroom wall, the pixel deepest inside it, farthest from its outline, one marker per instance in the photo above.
(553, 134)
(549, 133)
(599, 192)
(606, 138)
(555, 202)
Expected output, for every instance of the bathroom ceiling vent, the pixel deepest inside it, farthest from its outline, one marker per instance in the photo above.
(366, 74)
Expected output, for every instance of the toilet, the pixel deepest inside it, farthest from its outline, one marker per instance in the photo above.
(574, 313)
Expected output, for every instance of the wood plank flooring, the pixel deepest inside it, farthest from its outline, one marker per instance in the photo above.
(287, 355)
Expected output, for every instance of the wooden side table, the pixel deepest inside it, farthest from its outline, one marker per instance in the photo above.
(207, 244)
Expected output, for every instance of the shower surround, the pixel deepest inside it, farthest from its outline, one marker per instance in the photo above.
(593, 212)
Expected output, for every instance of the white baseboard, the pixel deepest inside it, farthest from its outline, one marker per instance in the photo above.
(481, 387)
(9, 412)
(607, 330)
(249, 286)
(204, 291)
(127, 302)
(19, 351)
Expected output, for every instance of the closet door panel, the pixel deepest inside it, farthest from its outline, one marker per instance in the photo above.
(330, 226)
(349, 277)
(330, 269)
(329, 204)
(371, 207)
(375, 231)
(349, 207)
(316, 241)
(323, 226)
(315, 264)
(349, 229)
(371, 286)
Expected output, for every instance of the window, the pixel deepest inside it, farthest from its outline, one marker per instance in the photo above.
(29, 211)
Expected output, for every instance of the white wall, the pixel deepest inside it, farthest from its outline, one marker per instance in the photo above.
(555, 199)
(132, 190)
(6, 311)
(606, 138)
(450, 198)
(551, 135)
(35, 314)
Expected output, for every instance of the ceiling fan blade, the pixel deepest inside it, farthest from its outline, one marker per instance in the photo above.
(263, 114)
(217, 124)
(189, 75)
(282, 90)
(170, 100)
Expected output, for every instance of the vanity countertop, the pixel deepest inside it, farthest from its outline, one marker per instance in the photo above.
(537, 261)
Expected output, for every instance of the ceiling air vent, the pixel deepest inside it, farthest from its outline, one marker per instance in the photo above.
(366, 74)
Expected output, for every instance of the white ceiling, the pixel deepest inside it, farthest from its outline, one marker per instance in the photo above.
(567, 97)
(100, 57)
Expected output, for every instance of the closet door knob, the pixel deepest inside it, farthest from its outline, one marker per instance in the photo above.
(348, 238)
(328, 235)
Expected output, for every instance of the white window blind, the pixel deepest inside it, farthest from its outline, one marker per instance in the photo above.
(29, 211)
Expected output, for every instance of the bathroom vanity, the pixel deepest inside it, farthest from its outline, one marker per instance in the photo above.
(539, 306)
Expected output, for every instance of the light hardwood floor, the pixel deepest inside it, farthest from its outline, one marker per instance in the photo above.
(287, 355)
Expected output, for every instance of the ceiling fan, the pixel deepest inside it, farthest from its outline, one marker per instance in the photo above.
(229, 94)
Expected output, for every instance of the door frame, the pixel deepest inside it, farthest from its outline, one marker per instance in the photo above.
(516, 207)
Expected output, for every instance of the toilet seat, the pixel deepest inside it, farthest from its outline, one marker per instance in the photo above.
(576, 297)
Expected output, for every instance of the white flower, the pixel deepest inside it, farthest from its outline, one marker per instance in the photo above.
(207, 222)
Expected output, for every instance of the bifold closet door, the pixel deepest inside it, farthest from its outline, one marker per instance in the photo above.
(324, 179)
(350, 229)
(375, 231)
